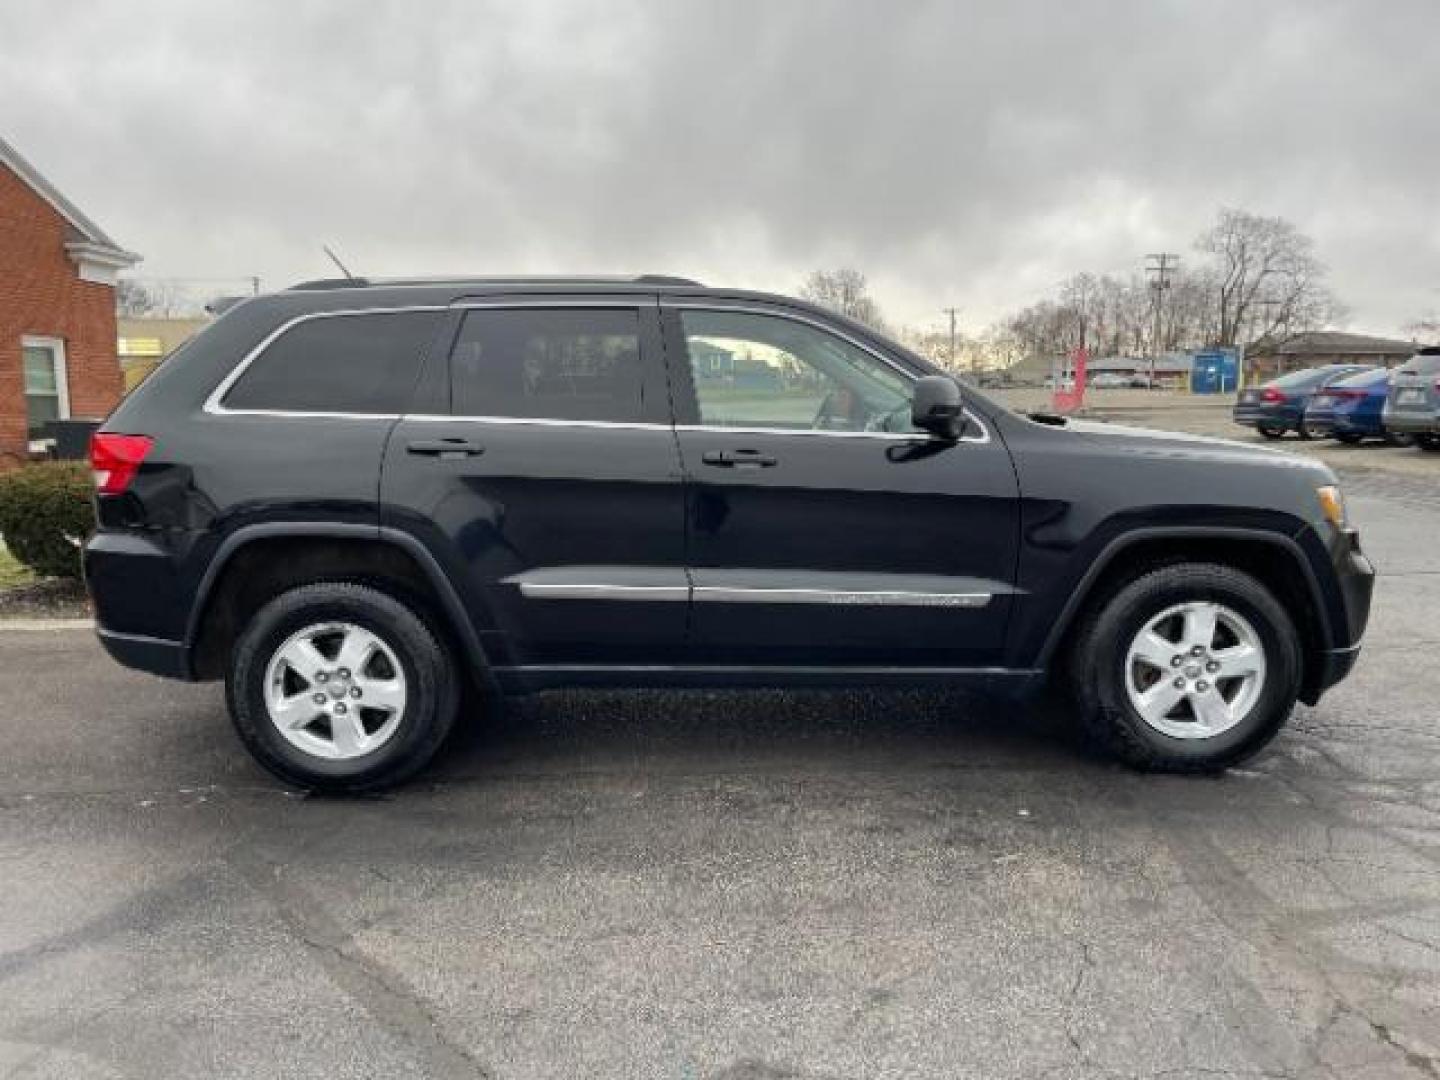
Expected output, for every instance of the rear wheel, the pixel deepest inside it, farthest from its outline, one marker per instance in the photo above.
(1430, 443)
(1349, 438)
(1399, 438)
(1188, 668)
(1271, 432)
(340, 687)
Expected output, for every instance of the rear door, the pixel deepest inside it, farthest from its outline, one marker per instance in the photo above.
(546, 478)
(823, 529)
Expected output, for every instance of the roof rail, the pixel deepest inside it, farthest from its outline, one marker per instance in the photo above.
(320, 284)
(330, 283)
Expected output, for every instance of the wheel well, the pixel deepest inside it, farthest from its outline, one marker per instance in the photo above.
(1271, 564)
(263, 568)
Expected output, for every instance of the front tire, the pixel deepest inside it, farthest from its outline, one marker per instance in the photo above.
(1212, 628)
(1428, 443)
(340, 687)
(1271, 432)
(1349, 438)
(1399, 438)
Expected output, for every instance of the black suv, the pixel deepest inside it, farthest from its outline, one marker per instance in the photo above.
(355, 500)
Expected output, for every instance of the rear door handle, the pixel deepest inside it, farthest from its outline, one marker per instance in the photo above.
(445, 448)
(738, 459)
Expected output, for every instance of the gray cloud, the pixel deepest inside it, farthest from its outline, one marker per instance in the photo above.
(968, 153)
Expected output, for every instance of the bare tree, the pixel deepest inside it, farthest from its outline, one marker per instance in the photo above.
(1268, 281)
(845, 291)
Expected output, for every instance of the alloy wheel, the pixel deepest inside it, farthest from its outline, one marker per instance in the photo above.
(1195, 670)
(335, 690)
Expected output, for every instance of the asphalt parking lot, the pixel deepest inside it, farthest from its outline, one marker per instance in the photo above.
(756, 886)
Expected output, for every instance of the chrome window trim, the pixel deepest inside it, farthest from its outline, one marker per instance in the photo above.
(536, 421)
(214, 404)
(800, 317)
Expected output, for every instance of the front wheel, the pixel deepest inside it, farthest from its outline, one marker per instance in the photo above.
(1399, 438)
(1189, 668)
(1429, 443)
(340, 687)
(1271, 432)
(1349, 438)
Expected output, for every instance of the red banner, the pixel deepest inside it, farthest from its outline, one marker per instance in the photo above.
(1069, 395)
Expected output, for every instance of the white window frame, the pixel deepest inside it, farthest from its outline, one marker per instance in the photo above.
(56, 347)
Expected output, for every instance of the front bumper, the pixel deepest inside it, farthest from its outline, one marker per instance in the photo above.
(1348, 585)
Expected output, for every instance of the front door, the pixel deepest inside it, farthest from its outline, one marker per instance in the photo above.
(823, 529)
(545, 477)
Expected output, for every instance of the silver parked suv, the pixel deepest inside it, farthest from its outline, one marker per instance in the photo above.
(1413, 406)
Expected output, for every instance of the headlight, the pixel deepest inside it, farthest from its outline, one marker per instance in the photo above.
(1332, 505)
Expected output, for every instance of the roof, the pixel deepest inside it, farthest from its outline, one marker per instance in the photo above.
(539, 279)
(87, 239)
(1338, 343)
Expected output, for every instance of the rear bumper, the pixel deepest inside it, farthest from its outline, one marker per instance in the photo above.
(155, 655)
(1413, 423)
(1266, 416)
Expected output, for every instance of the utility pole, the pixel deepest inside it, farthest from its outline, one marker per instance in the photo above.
(1159, 266)
(952, 312)
(1269, 304)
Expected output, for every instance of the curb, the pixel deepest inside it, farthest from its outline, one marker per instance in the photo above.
(20, 622)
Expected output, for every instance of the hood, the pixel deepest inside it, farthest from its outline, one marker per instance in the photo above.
(1149, 441)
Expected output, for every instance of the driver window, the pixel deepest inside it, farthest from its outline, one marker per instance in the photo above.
(765, 371)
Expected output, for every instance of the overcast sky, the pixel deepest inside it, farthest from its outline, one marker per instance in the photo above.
(958, 153)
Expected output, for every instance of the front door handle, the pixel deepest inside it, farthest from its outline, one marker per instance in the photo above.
(445, 448)
(738, 459)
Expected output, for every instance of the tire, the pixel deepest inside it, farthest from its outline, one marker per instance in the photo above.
(1428, 443)
(409, 677)
(1271, 432)
(1349, 438)
(1399, 438)
(1100, 667)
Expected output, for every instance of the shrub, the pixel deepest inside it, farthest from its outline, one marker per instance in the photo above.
(46, 512)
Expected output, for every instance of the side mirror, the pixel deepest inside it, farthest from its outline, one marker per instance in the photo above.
(937, 407)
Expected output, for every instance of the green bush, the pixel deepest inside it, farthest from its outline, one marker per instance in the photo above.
(46, 512)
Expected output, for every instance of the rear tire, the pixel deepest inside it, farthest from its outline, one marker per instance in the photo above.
(1105, 672)
(316, 724)
(1271, 432)
(1399, 438)
(1428, 443)
(1349, 438)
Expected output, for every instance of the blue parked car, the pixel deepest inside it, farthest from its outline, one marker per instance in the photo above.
(1351, 409)
(1279, 405)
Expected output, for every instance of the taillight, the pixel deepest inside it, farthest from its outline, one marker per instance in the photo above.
(115, 458)
(1272, 395)
(1348, 395)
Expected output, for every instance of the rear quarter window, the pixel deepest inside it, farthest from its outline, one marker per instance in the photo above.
(365, 363)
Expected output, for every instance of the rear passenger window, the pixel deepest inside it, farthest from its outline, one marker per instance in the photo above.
(339, 364)
(549, 363)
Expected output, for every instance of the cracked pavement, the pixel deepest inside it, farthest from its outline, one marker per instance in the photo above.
(752, 886)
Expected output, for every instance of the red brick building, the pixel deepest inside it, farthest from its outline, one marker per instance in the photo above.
(57, 310)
